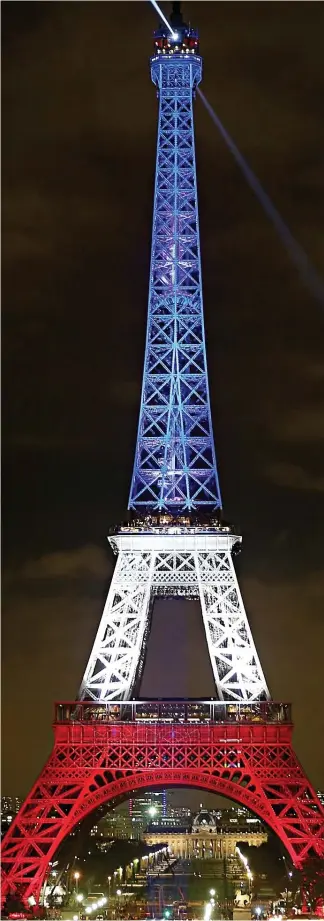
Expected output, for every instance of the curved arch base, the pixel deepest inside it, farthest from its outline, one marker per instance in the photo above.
(253, 764)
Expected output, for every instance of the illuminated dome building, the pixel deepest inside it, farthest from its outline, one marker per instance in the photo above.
(210, 836)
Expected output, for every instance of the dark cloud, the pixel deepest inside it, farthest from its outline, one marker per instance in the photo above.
(294, 477)
(79, 116)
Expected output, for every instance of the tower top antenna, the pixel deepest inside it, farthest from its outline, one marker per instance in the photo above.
(176, 15)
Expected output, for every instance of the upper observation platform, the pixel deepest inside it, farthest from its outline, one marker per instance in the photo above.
(179, 42)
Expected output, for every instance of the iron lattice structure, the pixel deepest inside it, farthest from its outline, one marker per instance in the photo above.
(194, 562)
(166, 552)
(247, 757)
(175, 463)
(107, 747)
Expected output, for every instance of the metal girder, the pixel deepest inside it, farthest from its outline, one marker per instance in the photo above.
(175, 462)
(197, 564)
(253, 764)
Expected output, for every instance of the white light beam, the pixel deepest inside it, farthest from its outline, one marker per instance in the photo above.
(159, 11)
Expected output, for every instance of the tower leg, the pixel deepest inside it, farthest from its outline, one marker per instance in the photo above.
(116, 655)
(236, 667)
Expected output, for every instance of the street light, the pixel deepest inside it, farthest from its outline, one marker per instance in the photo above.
(212, 892)
(76, 877)
(118, 892)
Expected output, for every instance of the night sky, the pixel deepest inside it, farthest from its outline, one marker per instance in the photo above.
(79, 133)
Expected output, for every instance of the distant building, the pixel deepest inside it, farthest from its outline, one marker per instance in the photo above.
(10, 805)
(131, 819)
(211, 835)
(144, 809)
(116, 824)
(179, 815)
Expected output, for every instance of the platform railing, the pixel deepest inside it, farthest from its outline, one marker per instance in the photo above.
(172, 711)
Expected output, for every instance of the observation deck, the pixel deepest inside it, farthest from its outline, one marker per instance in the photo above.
(181, 39)
(169, 533)
(187, 711)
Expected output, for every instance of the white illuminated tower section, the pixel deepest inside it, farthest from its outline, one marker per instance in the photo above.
(175, 543)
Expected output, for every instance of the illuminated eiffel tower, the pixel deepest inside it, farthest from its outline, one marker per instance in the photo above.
(107, 744)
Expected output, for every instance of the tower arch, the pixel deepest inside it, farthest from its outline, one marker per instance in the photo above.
(95, 764)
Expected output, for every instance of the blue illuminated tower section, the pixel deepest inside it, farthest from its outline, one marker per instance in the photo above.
(175, 463)
(175, 542)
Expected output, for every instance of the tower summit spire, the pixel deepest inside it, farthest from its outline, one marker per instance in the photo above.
(176, 15)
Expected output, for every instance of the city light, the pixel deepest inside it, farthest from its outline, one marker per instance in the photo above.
(208, 911)
(96, 905)
(246, 865)
(152, 810)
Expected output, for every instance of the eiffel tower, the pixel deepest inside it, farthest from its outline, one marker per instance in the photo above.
(109, 743)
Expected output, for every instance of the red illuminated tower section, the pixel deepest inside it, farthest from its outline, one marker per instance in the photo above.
(108, 744)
